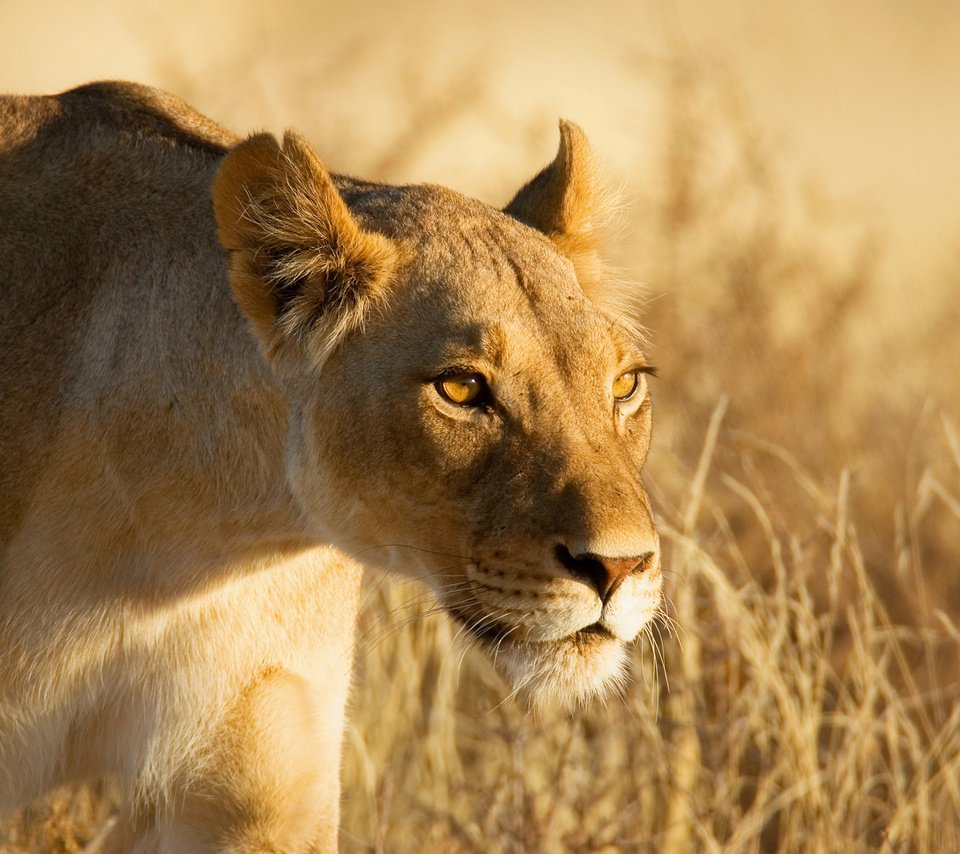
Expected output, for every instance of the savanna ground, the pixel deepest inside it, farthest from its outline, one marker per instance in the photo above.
(803, 693)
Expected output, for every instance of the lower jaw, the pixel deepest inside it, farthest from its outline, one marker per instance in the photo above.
(567, 672)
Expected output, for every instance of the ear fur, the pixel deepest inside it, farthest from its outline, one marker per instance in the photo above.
(567, 202)
(570, 203)
(301, 268)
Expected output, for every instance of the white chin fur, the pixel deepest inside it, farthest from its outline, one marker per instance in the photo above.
(567, 673)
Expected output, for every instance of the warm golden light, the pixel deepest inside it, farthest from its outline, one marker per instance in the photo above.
(791, 200)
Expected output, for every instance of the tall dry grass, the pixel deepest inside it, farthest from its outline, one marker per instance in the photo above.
(806, 476)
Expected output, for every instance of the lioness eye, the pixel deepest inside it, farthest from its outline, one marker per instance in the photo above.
(625, 385)
(467, 390)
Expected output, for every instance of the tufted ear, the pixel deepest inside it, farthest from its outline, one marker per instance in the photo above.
(568, 203)
(301, 268)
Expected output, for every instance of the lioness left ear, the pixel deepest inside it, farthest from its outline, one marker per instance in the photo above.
(568, 203)
(301, 269)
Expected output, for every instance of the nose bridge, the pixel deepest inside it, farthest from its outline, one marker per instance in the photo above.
(600, 504)
(605, 512)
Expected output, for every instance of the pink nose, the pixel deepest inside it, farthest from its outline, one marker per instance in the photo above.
(616, 569)
(604, 574)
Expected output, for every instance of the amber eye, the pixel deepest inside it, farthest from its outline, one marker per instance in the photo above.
(625, 385)
(464, 390)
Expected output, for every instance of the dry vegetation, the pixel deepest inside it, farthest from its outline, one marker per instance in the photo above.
(806, 473)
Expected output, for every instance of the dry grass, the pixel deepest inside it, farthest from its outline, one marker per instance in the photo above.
(806, 473)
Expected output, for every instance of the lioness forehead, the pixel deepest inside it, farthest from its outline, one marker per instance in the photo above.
(446, 228)
(500, 279)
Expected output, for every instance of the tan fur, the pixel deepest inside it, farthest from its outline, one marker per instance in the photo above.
(198, 434)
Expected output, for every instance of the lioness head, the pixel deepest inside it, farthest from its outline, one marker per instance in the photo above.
(464, 404)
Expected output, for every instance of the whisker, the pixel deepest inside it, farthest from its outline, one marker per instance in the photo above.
(658, 649)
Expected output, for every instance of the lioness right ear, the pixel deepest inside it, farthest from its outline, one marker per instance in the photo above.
(301, 268)
(569, 203)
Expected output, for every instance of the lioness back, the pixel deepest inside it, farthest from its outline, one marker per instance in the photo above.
(225, 373)
(91, 181)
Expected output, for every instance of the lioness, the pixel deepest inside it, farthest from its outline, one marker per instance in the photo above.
(226, 376)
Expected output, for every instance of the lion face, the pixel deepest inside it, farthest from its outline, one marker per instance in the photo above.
(478, 420)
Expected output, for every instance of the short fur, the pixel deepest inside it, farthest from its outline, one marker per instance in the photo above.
(208, 412)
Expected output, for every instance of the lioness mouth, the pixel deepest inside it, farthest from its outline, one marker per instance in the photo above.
(481, 628)
(494, 633)
(594, 629)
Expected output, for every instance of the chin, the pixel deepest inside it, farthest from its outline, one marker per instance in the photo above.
(568, 672)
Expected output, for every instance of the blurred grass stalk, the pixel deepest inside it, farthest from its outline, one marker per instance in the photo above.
(681, 706)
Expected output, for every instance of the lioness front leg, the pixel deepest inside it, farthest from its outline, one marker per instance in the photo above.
(270, 783)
